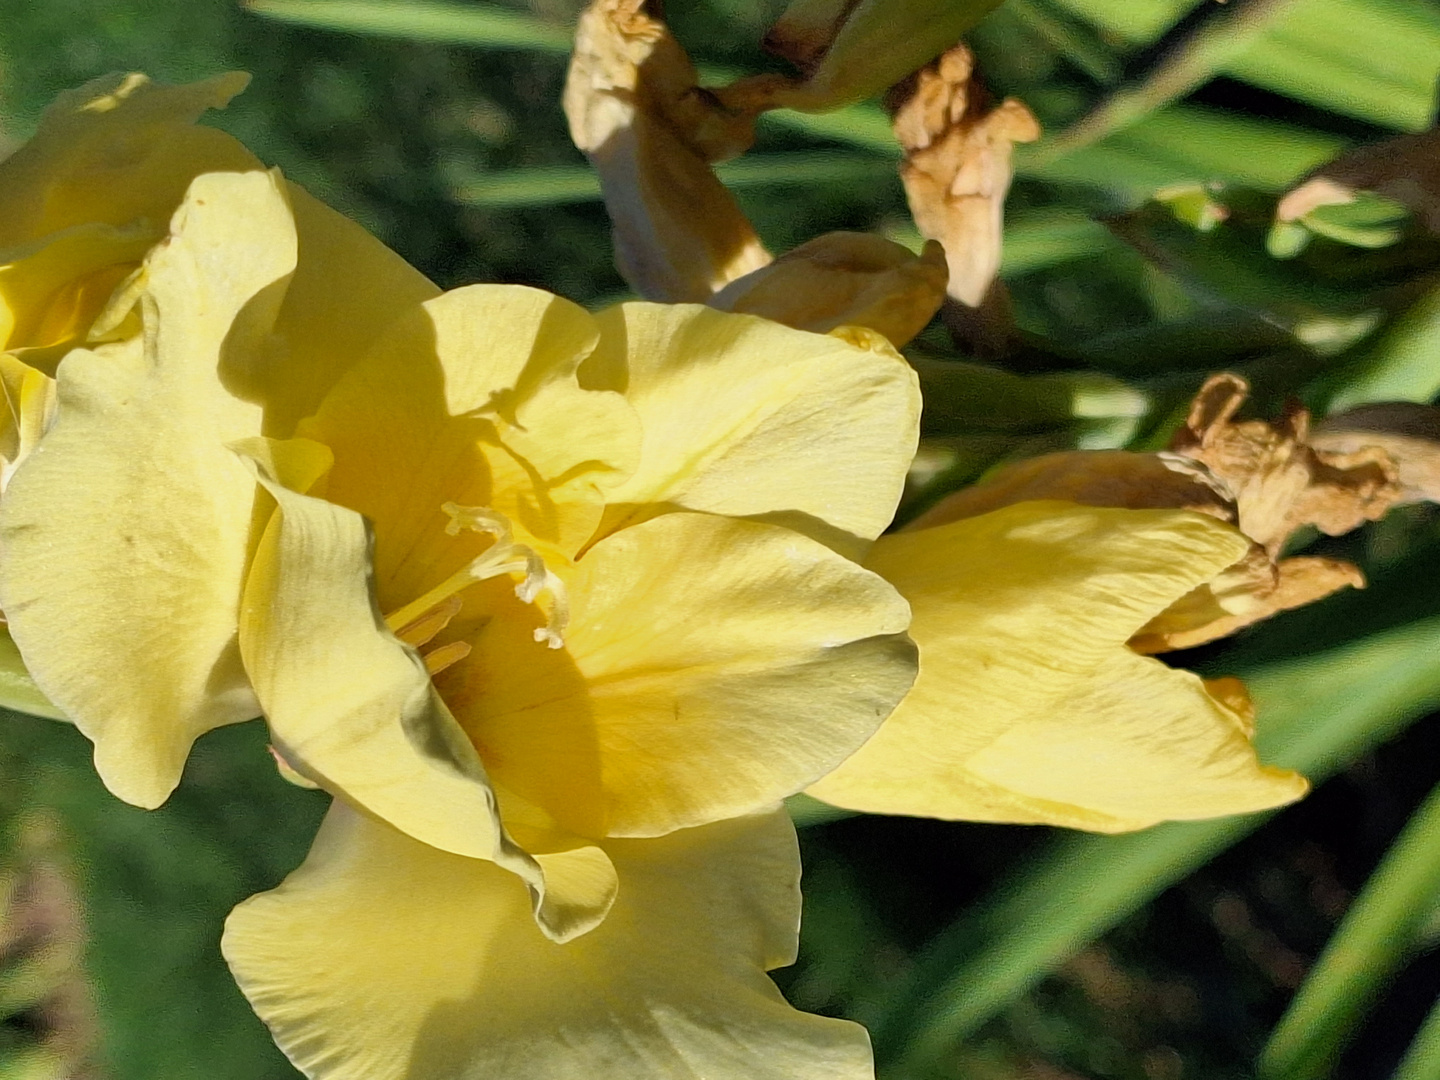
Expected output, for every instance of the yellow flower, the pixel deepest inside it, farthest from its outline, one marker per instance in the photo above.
(82, 207)
(535, 591)
(1029, 706)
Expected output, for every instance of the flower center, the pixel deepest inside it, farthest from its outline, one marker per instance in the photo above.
(419, 621)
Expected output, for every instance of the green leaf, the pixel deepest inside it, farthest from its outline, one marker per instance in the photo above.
(475, 25)
(1377, 935)
(1316, 713)
(552, 185)
(1422, 1060)
(1400, 365)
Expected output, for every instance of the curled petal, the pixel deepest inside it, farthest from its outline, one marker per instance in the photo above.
(844, 279)
(636, 112)
(711, 667)
(125, 534)
(352, 709)
(1029, 707)
(739, 418)
(383, 959)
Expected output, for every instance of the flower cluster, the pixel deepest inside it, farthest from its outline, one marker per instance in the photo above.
(558, 606)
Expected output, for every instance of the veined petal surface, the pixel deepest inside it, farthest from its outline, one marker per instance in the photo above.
(384, 959)
(746, 417)
(124, 535)
(474, 399)
(352, 709)
(711, 667)
(1028, 706)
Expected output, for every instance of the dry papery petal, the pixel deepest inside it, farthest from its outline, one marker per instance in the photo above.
(651, 132)
(957, 166)
(1408, 433)
(1280, 482)
(1267, 479)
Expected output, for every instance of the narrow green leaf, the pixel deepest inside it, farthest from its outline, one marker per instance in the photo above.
(1316, 712)
(1213, 45)
(1376, 936)
(1400, 365)
(1422, 1060)
(477, 26)
(553, 185)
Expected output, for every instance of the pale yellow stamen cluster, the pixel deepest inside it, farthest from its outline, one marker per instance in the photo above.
(420, 620)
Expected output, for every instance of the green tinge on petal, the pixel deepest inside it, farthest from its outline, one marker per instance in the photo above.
(745, 417)
(17, 689)
(384, 959)
(711, 667)
(1029, 707)
(125, 533)
(352, 708)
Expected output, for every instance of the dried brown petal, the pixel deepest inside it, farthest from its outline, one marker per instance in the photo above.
(1269, 479)
(1250, 591)
(957, 167)
(844, 279)
(1409, 435)
(1280, 482)
(637, 113)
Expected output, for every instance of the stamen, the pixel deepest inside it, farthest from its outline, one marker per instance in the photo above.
(437, 660)
(420, 620)
(420, 631)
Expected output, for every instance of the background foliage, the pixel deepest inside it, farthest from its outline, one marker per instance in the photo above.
(970, 951)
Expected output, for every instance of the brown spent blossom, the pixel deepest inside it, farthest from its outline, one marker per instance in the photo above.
(637, 112)
(1265, 478)
(957, 166)
(652, 133)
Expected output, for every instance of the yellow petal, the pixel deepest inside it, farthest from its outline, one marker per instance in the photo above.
(382, 959)
(1029, 707)
(474, 399)
(116, 150)
(352, 708)
(710, 667)
(82, 201)
(52, 291)
(17, 689)
(28, 413)
(125, 534)
(745, 417)
(844, 279)
(347, 291)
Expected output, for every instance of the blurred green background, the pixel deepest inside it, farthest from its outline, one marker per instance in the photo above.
(970, 951)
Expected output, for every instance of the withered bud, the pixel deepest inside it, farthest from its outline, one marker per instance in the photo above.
(651, 132)
(1408, 433)
(1280, 482)
(1267, 479)
(844, 279)
(957, 166)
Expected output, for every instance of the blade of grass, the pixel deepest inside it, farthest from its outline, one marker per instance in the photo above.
(477, 26)
(1375, 937)
(552, 185)
(1400, 365)
(1422, 1060)
(1194, 60)
(1317, 712)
